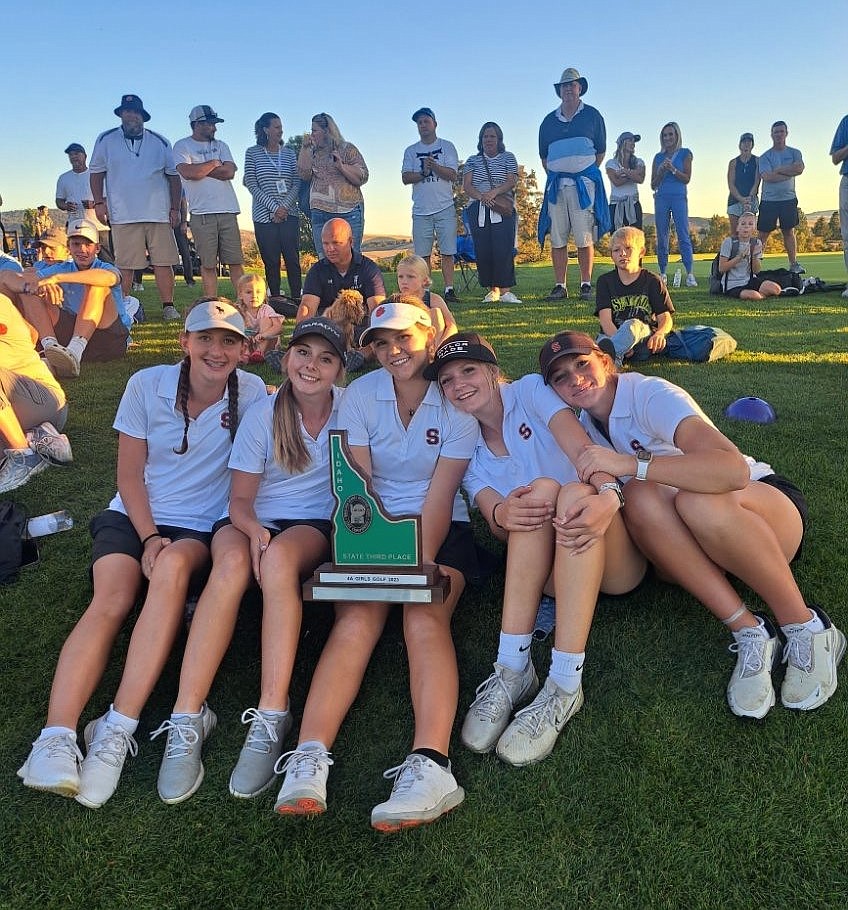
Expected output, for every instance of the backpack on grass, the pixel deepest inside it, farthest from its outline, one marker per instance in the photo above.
(718, 282)
(15, 549)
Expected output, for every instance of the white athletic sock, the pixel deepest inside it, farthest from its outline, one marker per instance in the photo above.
(760, 628)
(116, 719)
(272, 713)
(57, 731)
(48, 341)
(313, 745)
(567, 669)
(77, 346)
(514, 651)
(813, 625)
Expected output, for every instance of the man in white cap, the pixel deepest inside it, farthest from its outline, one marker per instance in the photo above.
(207, 168)
(77, 306)
(143, 194)
(572, 145)
(74, 196)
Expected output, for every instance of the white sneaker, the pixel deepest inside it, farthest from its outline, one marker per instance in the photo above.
(691, 281)
(811, 660)
(64, 362)
(534, 731)
(492, 297)
(181, 771)
(304, 789)
(750, 692)
(106, 751)
(53, 765)
(422, 792)
(50, 443)
(509, 297)
(491, 710)
(845, 293)
(19, 467)
(254, 771)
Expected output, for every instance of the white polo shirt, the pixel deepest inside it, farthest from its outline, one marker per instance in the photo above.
(280, 494)
(75, 186)
(529, 407)
(208, 196)
(403, 460)
(188, 490)
(136, 182)
(645, 415)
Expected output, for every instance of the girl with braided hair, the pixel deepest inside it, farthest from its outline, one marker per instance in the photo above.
(176, 425)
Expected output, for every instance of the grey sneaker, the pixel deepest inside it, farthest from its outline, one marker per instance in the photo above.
(491, 710)
(811, 660)
(63, 361)
(107, 747)
(750, 692)
(557, 293)
(422, 792)
(304, 789)
(18, 467)
(533, 734)
(254, 771)
(181, 771)
(170, 313)
(797, 269)
(53, 764)
(585, 290)
(50, 443)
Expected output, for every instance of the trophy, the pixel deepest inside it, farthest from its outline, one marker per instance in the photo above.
(376, 556)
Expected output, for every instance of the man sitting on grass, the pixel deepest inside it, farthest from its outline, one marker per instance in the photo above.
(632, 304)
(77, 307)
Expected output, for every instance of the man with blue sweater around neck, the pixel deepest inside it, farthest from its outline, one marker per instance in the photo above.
(572, 144)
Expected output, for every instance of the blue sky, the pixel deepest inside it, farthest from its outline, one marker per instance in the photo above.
(718, 69)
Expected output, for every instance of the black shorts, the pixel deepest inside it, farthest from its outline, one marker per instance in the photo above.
(796, 497)
(459, 551)
(105, 344)
(772, 212)
(283, 524)
(113, 532)
(753, 284)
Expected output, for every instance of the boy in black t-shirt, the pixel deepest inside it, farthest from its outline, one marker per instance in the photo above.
(632, 304)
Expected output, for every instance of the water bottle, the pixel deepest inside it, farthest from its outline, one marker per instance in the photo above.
(678, 275)
(49, 524)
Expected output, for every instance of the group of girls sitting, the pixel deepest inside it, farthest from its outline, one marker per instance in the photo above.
(211, 467)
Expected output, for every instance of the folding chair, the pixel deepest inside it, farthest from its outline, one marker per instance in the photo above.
(465, 256)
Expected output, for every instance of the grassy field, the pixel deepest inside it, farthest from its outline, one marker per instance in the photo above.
(656, 795)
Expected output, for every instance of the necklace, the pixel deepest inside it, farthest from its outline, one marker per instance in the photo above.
(130, 141)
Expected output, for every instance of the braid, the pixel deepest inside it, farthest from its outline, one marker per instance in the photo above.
(182, 402)
(232, 398)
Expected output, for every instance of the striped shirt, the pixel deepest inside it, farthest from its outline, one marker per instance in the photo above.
(500, 167)
(272, 180)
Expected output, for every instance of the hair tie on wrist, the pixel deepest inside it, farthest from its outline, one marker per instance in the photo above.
(150, 537)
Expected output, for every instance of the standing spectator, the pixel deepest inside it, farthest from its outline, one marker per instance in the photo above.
(779, 166)
(839, 155)
(74, 196)
(336, 170)
(430, 167)
(743, 181)
(572, 145)
(625, 172)
(206, 167)
(489, 179)
(143, 194)
(270, 175)
(43, 222)
(670, 174)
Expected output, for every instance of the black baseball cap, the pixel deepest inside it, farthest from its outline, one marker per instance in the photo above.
(562, 344)
(462, 346)
(324, 328)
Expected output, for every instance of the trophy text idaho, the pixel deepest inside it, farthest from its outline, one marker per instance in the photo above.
(376, 556)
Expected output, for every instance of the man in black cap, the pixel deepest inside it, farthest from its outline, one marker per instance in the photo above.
(74, 196)
(207, 168)
(143, 194)
(430, 167)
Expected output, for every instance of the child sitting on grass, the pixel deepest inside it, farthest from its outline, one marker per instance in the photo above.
(742, 270)
(262, 324)
(632, 304)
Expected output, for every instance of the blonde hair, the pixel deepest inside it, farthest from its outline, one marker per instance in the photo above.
(679, 141)
(417, 265)
(257, 281)
(290, 450)
(629, 234)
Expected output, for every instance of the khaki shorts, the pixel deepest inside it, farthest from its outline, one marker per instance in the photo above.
(217, 237)
(133, 242)
(568, 218)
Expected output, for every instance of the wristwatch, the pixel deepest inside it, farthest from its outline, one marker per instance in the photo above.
(643, 460)
(614, 486)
